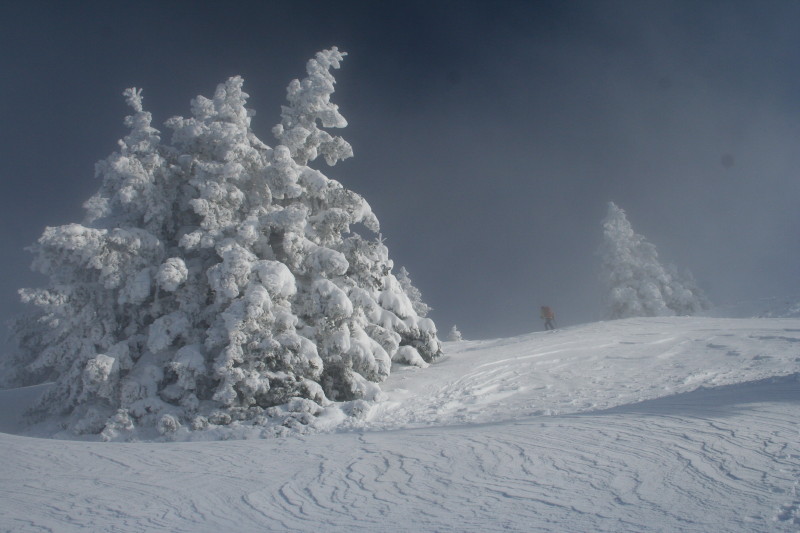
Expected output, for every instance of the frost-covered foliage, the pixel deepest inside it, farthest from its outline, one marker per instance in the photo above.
(414, 294)
(455, 335)
(637, 283)
(216, 280)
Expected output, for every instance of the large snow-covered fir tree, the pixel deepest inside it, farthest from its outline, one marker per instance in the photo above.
(638, 285)
(217, 280)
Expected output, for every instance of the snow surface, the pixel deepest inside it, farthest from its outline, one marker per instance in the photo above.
(658, 424)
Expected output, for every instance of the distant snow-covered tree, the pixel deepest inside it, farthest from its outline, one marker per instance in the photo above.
(454, 335)
(686, 297)
(216, 277)
(638, 285)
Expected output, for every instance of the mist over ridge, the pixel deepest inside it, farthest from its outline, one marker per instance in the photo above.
(487, 139)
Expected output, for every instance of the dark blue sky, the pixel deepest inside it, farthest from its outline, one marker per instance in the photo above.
(488, 136)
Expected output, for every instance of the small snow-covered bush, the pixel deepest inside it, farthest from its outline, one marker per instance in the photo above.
(215, 277)
(454, 335)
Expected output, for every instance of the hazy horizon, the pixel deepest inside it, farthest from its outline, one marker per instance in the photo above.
(488, 138)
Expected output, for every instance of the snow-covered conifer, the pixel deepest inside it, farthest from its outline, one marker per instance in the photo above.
(638, 284)
(421, 308)
(216, 277)
(686, 297)
(454, 335)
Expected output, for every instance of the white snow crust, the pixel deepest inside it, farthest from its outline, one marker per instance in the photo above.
(647, 424)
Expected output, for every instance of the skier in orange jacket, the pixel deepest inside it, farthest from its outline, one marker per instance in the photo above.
(548, 316)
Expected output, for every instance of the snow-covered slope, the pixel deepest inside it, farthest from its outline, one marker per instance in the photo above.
(638, 425)
(587, 368)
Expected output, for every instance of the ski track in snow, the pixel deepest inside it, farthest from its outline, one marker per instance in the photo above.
(673, 425)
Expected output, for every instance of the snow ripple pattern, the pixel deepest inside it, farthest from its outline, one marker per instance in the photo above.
(622, 470)
(587, 368)
(721, 457)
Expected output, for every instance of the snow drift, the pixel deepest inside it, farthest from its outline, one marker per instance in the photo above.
(638, 425)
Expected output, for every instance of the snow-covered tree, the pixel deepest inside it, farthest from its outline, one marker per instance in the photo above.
(454, 335)
(216, 278)
(414, 294)
(638, 284)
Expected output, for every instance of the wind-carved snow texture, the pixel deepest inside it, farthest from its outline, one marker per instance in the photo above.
(593, 367)
(674, 424)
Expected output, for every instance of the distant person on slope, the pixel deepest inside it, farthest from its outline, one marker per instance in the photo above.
(548, 316)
